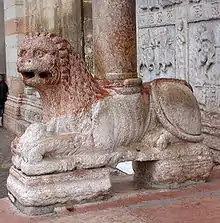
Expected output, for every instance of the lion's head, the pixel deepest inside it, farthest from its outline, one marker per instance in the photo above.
(43, 59)
(50, 64)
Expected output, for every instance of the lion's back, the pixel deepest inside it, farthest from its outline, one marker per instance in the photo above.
(120, 120)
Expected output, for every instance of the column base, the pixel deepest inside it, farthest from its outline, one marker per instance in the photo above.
(38, 195)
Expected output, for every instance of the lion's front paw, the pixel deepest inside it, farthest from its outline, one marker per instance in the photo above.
(31, 156)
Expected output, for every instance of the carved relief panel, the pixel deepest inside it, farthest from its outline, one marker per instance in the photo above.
(204, 53)
(204, 62)
(154, 4)
(181, 39)
(157, 52)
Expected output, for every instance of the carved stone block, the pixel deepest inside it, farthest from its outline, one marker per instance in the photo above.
(36, 195)
(31, 110)
(157, 53)
(197, 51)
(155, 4)
(204, 53)
(12, 114)
(194, 164)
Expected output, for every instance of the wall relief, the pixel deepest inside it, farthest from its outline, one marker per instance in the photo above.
(156, 4)
(181, 41)
(203, 53)
(157, 53)
(194, 1)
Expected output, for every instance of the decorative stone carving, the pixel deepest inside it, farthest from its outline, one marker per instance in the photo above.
(157, 53)
(181, 50)
(204, 64)
(155, 4)
(197, 57)
(194, 1)
(12, 114)
(31, 109)
(77, 108)
(91, 124)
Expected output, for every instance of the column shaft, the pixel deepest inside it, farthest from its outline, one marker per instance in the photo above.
(114, 33)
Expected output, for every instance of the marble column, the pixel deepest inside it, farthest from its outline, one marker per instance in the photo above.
(114, 34)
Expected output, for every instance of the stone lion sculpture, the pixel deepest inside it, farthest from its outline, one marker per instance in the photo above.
(89, 123)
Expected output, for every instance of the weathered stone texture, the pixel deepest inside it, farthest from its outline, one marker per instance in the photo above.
(84, 118)
(88, 34)
(90, 124)
(62, 189)
(14, 33)
(60, 17)
(114, 38)
(181, 39)
(185, 164)
(66, 18)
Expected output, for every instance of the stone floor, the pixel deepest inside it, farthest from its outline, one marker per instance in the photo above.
(194, 204)
(198, 203)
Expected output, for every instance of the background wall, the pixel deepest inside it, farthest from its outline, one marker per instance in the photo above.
(62, 17)
(2, 39)
(14, 33)
(71, 19)
(181, 39)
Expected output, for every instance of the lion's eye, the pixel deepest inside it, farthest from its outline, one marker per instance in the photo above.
(39, 53)
(22, 53)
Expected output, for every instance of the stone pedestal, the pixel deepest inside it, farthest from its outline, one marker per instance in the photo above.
(174, 167)
(37, 195)
(190, 164)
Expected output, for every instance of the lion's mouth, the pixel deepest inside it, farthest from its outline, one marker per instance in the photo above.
(28, 75)
(31, 74)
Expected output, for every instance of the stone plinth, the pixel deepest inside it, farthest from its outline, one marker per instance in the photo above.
(177, 166)
(180, 166)
(114, 39)
(36, 195)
